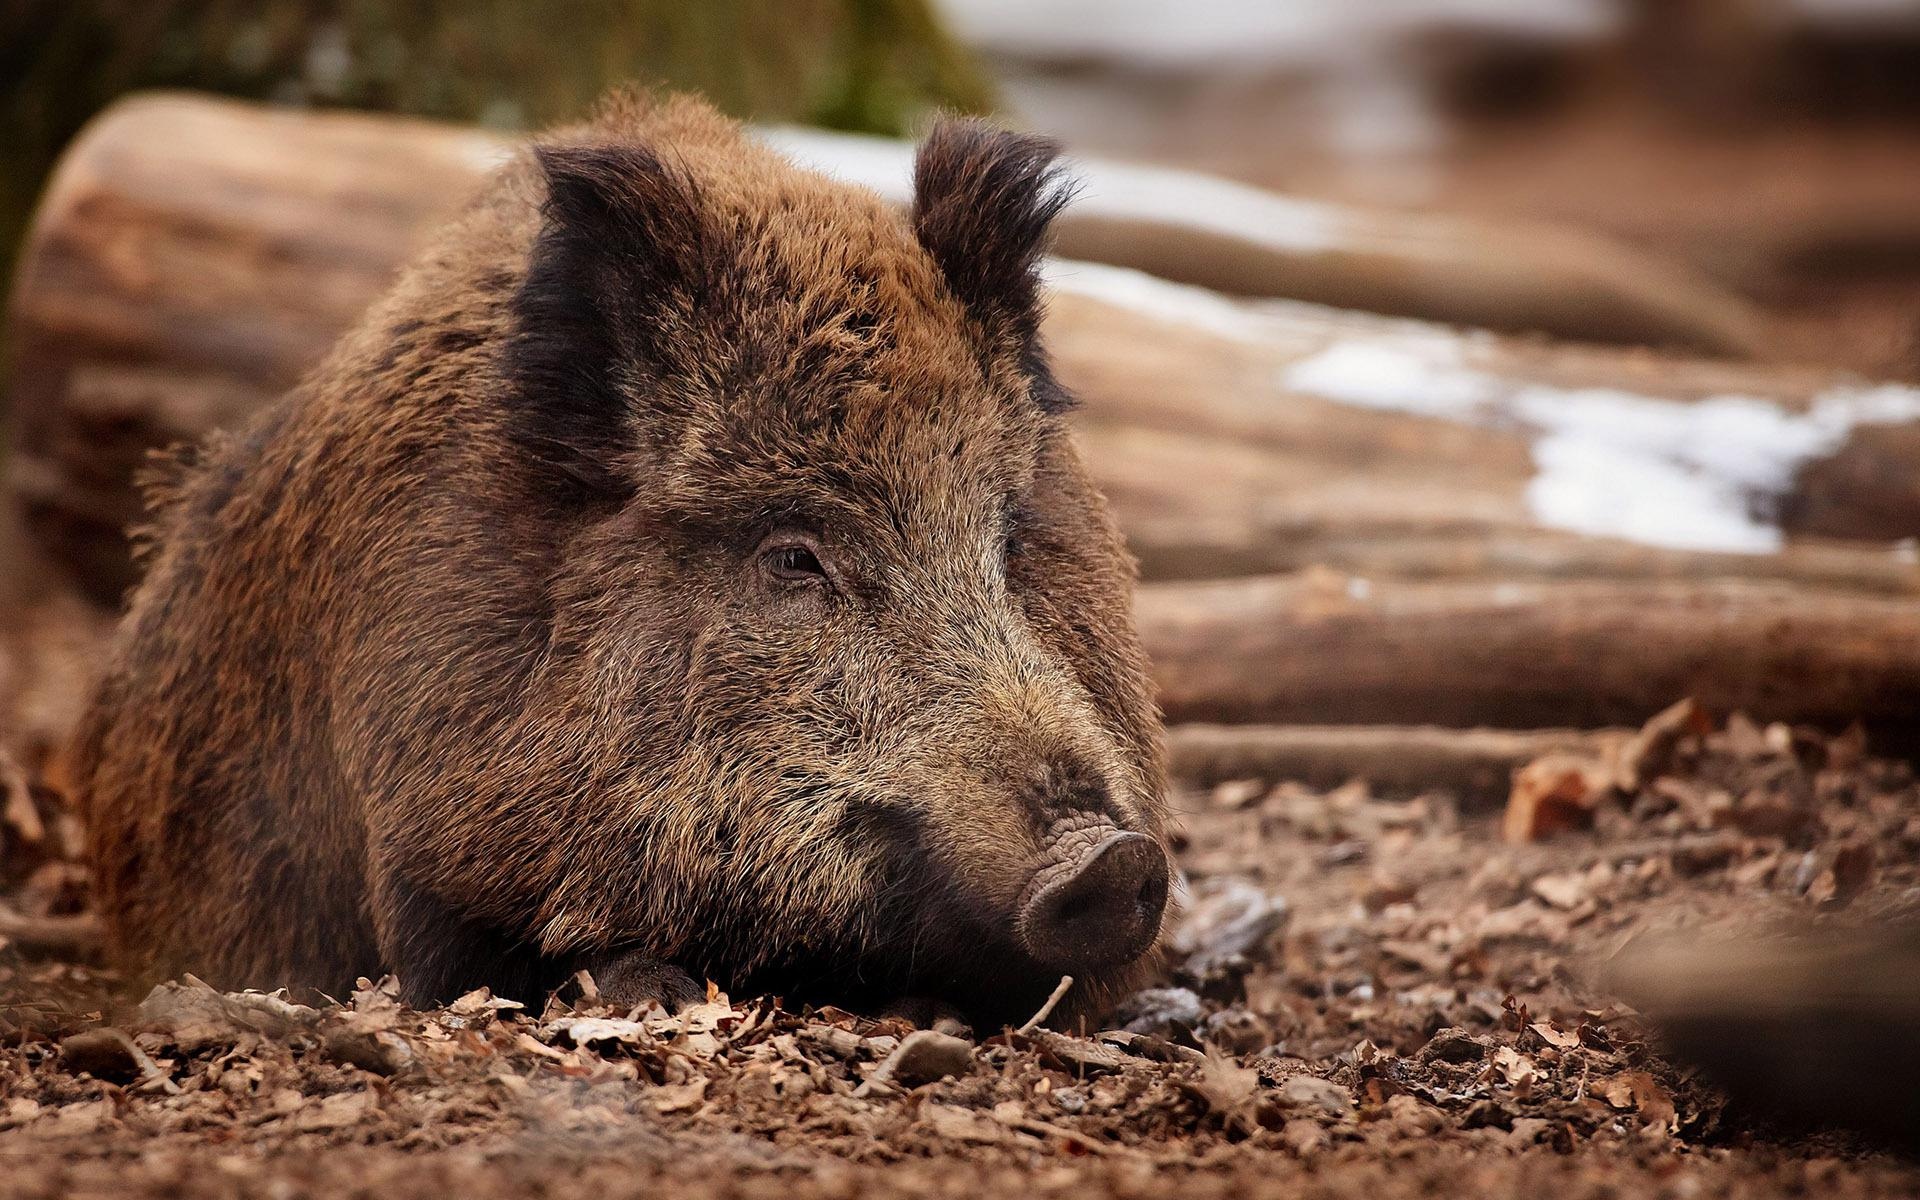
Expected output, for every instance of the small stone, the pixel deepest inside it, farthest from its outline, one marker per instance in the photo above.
(1313, 1093)
(1302, 1136)
(1236, 1031)
(1161, 1012)
(1453, 1045)
(922, 1057)
(1225, 918)
(102, 1053)
(378, 1051)
(1413, 1117)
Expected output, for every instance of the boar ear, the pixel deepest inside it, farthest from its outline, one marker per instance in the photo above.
(983, 199)
(621, 259)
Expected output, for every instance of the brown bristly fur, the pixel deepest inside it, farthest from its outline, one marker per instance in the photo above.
(464, 661)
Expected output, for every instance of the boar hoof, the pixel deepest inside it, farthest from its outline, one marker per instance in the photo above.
(924, 1012)
(631, 980)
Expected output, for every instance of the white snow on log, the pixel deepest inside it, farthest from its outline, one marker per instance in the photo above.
(1700, 475)
(1169, 197)
(1179, 304)
(1413, 373)
(1107, 190)
(1193, 32)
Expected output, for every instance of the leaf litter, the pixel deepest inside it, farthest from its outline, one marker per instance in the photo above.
(1386, 995)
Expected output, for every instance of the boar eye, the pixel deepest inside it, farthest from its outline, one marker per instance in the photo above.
(793, 562)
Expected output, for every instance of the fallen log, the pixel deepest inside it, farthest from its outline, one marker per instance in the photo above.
(1475, 764)
(1319, 647)
(78, 936)
(192, 257)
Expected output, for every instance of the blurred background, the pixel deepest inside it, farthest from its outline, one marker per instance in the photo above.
(1768, 142)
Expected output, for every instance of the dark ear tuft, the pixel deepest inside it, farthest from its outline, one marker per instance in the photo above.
(983, 199)
(622, 256)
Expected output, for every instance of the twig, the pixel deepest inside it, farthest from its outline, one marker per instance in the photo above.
(76, 936)
(1047, 1129)
(1476, 763)
(1046, 1010)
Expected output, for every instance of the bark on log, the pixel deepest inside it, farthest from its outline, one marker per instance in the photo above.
(77, 936)
(1320, 647)
(1476, 764)
(192, 257)
(189, 260)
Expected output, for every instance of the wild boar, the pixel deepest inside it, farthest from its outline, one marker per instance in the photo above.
(686, 572)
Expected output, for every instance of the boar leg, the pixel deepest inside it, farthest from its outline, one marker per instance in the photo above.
(631, 978)
(440, 954)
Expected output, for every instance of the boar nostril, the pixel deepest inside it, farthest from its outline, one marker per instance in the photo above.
(1104, 909)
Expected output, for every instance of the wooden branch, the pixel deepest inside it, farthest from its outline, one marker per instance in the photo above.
(78, 936)
(1320, 647)
(1476, 764)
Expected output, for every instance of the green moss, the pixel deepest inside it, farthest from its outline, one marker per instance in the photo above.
(872, 65)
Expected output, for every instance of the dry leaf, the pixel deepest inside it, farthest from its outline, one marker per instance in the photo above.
(1516, 1069)
(1238, 793)
(193, 1015)
(1564, 892)
(582, 1031)
(1228, 1090)
(679, 1097)
(1640, 1092)
(1551, 794)
(1312, 1092)
(1649, 752)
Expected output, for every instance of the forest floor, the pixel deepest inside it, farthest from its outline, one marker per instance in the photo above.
(1369, 995)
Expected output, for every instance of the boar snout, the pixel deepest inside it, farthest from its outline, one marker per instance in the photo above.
(1097, 900)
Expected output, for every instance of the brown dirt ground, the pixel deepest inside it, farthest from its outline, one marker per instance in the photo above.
(1385, 997)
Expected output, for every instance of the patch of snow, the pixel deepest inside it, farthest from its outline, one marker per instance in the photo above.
(1182, 304)
(1706, 475)
(1606, 489)
(1197, 201)
(1413, 375)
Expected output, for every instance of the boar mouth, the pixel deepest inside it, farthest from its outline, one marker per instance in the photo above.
(1094, 903)
(1097, 900)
